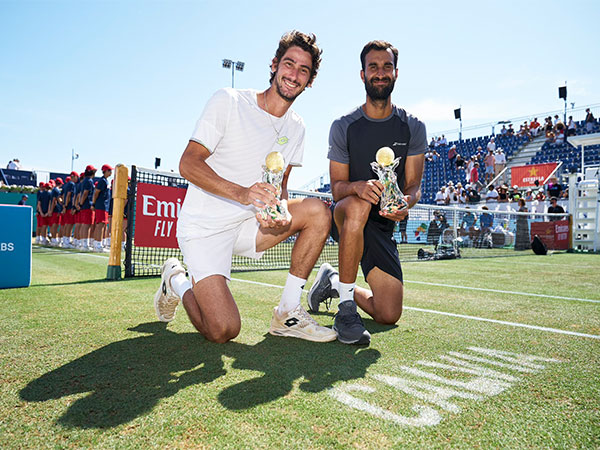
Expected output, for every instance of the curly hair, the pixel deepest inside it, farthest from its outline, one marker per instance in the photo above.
(378, 45)
(307, 42)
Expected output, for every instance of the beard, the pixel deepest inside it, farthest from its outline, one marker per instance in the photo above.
(378, 93)
(286, 97)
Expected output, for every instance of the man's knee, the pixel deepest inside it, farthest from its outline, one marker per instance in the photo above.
(318, 212)
(388, 317)
(355, 213)
(222, 332)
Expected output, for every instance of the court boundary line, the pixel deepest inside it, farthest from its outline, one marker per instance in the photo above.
(461, 316)
(469, 288)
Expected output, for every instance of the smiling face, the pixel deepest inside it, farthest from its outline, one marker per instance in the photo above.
(292, 73)
(379, 74)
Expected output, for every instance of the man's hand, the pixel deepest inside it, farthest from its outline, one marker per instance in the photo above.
(399, 215)
(369, 190)
(260, 195)
(275, 224)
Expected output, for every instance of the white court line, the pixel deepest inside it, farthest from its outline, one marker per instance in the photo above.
(504, 292)
(462, 316)
(530, 294)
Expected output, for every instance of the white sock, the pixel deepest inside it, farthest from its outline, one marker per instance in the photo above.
(335, 282)
(180, 284)
(346, 292)
(290, 299)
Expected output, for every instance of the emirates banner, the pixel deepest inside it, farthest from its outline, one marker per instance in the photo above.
(554, 234)
(156, 211)
(526, 176)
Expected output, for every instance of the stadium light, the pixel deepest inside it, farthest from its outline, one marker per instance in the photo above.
(458, 115)
(233, 65)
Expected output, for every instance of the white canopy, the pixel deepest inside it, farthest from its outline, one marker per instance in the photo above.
(584, 140)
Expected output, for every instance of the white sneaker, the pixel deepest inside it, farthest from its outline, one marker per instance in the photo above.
(165, 299)
(298, 323)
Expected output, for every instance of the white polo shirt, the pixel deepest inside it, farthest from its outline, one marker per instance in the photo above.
(239, 135)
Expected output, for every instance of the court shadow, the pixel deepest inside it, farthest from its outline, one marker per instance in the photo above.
(127, 378)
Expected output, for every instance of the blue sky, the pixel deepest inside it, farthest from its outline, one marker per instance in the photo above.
(125, 81)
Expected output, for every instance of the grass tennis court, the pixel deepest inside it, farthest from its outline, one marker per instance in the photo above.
(498, 352)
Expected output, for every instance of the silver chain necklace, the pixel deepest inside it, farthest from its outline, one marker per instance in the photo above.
(279, 140)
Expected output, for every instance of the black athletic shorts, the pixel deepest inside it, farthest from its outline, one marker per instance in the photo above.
(380, 249)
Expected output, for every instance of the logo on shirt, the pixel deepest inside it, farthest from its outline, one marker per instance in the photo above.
(282, 140)
(398, 143)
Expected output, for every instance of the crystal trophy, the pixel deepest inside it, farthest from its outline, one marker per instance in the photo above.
(273, 174)
(392, 198)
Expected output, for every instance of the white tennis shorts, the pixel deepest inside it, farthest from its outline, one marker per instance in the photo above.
(211, 255)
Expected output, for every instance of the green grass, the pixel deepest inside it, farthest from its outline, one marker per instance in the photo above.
(83, 363)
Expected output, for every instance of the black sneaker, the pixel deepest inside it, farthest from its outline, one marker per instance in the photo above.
(321, 290)
(349, 326)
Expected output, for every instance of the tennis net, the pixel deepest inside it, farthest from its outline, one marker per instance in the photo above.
(431, 232)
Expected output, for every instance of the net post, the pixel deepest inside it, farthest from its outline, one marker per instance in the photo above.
(119, 198)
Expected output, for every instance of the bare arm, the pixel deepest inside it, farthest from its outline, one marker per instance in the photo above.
(193, 168)
(339, 174)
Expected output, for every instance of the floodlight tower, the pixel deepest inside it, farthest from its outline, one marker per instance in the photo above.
(234, 65)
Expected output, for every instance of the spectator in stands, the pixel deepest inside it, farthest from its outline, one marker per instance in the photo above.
(443, 140)
(554, 188)
(438, 142)
(560, 133)
(540, 197)
(15, 164)
(548, 127)
(462, 197)
(503, 131)
(555, 208)
(514, 194)
(590, 121)
(491, 145)
(460, 162)
(555, 121)
(470, 165)
(571, 127)
(23, 200)
(499, 162)
(502, 193)
(435, 155)
(440, 196)
(432, 143)
(474, 196)
(489, 161)
(528, 195)
(534, 127)
(452, 198)
(452, 153)
(492, 195)
(511, 131)
(522, 229)
(475, 183)
(550, 137)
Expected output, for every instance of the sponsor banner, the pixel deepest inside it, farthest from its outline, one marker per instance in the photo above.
(554, 234)
(526, 176)
(156, 212)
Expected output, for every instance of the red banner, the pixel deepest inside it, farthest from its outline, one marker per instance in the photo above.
(156, 211)
(554, 234)
(526, 176)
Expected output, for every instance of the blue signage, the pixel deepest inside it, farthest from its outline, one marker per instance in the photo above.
(15, 246)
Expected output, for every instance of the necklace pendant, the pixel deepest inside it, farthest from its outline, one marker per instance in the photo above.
(282, 140)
